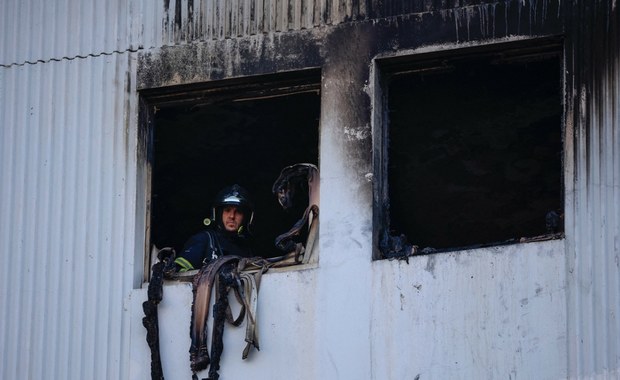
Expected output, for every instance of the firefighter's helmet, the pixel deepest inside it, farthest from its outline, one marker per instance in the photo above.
(234, 195)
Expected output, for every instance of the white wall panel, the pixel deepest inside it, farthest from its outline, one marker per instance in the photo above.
(67, 201)
(493, 313)
(593, 193)
(38, 30)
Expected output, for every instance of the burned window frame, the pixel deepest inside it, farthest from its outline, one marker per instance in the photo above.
(247, 88)
(385, 245)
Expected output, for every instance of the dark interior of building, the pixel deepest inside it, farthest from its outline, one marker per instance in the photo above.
(475, 154)
(475, 151)
(199, 149)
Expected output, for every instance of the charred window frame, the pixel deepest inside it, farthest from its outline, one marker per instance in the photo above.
(469, 144)
(199, 138)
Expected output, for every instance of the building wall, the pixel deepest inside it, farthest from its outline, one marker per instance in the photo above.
(68, 189)
(593, 207)
(72, 202)
(68, 217)
(501, 310)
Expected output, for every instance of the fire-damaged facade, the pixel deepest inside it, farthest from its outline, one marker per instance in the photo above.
(469, 162)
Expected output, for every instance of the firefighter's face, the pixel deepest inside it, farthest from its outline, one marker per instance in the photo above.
(232, 218)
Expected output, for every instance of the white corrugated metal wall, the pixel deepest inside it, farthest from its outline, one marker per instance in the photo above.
(67, 215)
(38, 31)
(67, 194)
(68, 185)
(593, 194)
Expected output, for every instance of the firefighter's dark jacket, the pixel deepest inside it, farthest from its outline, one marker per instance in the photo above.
(208, 245)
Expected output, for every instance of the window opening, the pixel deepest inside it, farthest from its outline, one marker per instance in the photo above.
(474, 152)
(243, 133)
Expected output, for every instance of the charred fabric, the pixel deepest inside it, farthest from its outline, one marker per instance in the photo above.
(239, 274)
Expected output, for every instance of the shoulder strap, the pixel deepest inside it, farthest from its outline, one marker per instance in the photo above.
(213, 250)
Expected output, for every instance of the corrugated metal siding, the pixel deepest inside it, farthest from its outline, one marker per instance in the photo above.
(593, 224)
(67, 211)
(185, 21)
(38, 30)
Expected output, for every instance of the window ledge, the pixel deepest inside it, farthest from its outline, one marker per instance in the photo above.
(189, 275)
(416, 251)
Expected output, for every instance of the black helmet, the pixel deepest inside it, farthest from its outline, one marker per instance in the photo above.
(234, 195)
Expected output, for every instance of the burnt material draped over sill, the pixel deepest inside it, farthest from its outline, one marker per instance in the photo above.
(223, 274)
(242, 275)
(151, 319)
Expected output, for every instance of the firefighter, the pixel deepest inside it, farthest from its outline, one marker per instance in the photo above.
(232, 215)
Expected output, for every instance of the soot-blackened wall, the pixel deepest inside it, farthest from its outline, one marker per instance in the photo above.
(344, 40)
(343, 53)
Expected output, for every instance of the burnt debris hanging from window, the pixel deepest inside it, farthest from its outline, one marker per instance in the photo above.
(198, 149)
(474, 153)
